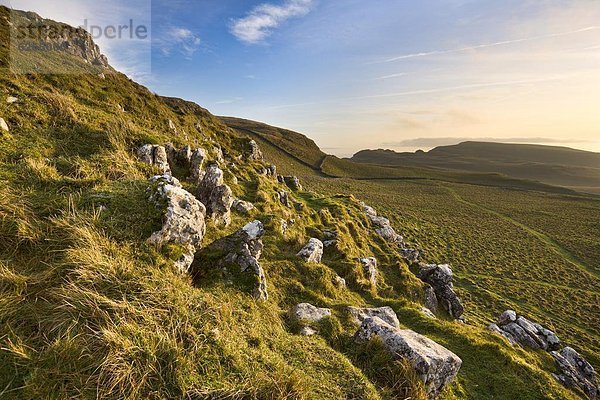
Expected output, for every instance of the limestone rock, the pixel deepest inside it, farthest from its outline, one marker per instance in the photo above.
(11, 100)
(183, 220)
(520, 330)
(370, 269)
(411, 256)
(312, 252)
(3, 125)
(384, 313)
(216, 196)
(155, 155)
(434, 364)
(238, 253)
(242, 206)
(184, 156)
(172, 126)
(284, 198)
(196, 163)
(431, 301)
(308, 331)
(283, 226)
(440, 278)
(339, 282)
(382, 226)
(427, 312)
(292, 182)
(576, 372)
(255, 153)
(309, 313)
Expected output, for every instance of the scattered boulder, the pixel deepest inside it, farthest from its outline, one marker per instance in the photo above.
(292, 182)
(305, 312)
(411, 256)
(283, 226)
(196, 163)
(3, 125)
(308, 331)
(384, 313)
(284, 198)
(184, 157)
(242, 206)
(218, 154)
(155, 155)
(330, 243)
(576, 372)
(183, 220)
(271, 170)
(172, 126)
(255, 153)
(339, 282)
(237, 253)
(520, 330)
(382, 226)
(370, 269)
(11, 100)
(216, 196)
(434, 364)
(312, 252)
(440, 279)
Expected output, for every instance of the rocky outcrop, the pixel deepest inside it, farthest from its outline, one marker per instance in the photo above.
(183, 220)
(3, 125)
(310, 315)
(440, 279)
(431, 301)
(358, 315)
(369, 265)
(519, 330)
(312, 252)
(339, 282)
(434, 364)
(236, 254)
(216, 196)
(155, 155)
(292, 182)
(196, 163)
(284, 198)
(382, 226)
(254, 153)
(242, 206)
(576, 372)
(411, 256)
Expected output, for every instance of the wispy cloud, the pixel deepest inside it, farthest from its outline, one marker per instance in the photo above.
(391, 76)
(485, 45)
(178, 38)
(446, 141)
(263, 19)
(230, 101)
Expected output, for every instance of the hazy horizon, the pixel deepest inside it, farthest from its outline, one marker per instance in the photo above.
(356, 75)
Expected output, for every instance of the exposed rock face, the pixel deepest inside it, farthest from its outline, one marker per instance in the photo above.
(309, 313)
(382, 226)
(238, 253)
(576, 372)
(440, 279)
(155, 155)
(196, 163)
(435, 365)
(431, 301)
(292, 182)
(183, 221)
(370, 269)
(172, 126)
(255, 153)
(283, 226)
(411, 256)
(242, 206)
(427, 312)
(184, 157)
(271, 170)
(312, 252)
(216, 196)
(384, 313)
(520, 330)
(3, 125)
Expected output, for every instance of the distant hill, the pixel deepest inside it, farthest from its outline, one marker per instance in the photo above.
(560, 166)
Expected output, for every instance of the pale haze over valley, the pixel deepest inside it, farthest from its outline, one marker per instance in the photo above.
(352, 74)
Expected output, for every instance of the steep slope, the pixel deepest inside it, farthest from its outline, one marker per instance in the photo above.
(90, 309)
(559, 166)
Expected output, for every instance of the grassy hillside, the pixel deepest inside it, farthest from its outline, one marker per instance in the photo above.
(561, 166)
(89, 309)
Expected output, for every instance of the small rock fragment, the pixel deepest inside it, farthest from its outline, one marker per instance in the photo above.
(312, 252)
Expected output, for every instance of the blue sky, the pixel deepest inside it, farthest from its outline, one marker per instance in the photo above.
(368, 74)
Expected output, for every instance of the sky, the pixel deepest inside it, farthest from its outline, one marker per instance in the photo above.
(355, 74)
